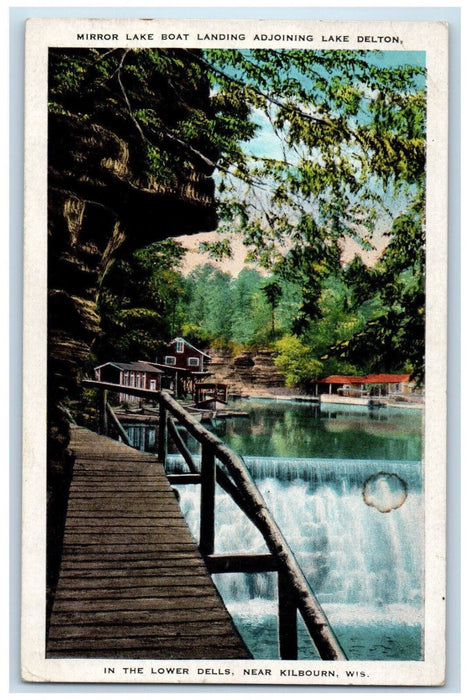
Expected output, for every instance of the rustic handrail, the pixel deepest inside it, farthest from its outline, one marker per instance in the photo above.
(117, 423)
(294, 590)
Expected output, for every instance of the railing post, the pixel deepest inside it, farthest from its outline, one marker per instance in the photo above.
(288, 648)
(208, 475)
(102, 412)
(117, 424)
(162, 433)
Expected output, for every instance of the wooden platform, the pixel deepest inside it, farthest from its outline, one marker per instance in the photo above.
(132, 582)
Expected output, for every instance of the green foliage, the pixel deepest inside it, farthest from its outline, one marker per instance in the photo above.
(310, 260)
(295, 360)
(140, 303)
(250, 312)
(209, 309)
(395, 335)
(273, 292)
(351, 135)
(338, 322)
(347, 124)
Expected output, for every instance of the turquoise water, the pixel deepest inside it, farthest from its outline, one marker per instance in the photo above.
(291, 429)
(377, 641)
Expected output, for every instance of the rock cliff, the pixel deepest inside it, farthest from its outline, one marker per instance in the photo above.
(105, 200)
(248, 372)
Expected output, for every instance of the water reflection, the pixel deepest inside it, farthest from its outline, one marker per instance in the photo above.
(289, 429)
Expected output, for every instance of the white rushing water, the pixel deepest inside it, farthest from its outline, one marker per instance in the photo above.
(360, 562)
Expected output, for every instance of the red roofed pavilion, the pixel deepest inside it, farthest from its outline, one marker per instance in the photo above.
(366, 386)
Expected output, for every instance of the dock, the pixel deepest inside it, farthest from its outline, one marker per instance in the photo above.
(370, 402)
(132, 582)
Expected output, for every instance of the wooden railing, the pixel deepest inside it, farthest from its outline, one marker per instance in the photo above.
(221, 465)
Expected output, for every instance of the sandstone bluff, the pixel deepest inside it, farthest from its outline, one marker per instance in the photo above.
(104, 200)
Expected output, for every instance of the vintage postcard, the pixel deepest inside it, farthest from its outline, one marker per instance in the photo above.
(235, 352)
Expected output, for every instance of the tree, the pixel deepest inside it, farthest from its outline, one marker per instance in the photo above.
(351, 150)
(272, 290)
(209, 312)
(339, 322)
(248, 318)
(295, 360)
(140, 303)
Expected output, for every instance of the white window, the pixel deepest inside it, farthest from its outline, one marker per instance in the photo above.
(153, 384)
(126, 378)
(170, 360)
(179, 346)
(193, 361)
(137, 379)
(132, 378)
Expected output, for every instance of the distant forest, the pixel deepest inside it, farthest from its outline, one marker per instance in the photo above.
(146, 300)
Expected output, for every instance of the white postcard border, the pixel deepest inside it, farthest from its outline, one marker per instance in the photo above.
(425, 36)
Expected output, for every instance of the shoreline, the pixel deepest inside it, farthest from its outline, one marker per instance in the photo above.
(335, 400)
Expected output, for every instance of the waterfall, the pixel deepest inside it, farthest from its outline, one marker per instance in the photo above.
(364, 565)
(317, 471)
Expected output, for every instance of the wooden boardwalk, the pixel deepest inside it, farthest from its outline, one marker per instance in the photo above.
(132, 583)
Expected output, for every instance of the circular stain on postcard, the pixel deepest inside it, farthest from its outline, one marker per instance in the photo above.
(384, 491)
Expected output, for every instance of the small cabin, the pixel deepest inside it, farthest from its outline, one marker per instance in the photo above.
(140, 375)
(183, 365)
(180, 354)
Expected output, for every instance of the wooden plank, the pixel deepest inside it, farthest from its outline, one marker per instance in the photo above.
(138, 644)
(167, 557)
(86, 519)
(160, 499)
(124, 485)
(165, 650)
(122, 524)
(181, 628)
(207, 503)
(89, 491)
(132, 582)
(120, 617)
(128, 479)
(133, 513)
(122, 596)
(116, 538)
(287, 616)
(136, 563)
(233, 563)
(148, 569)
(152, 549)
(184, 479)
(113, 582)
(100, 601)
